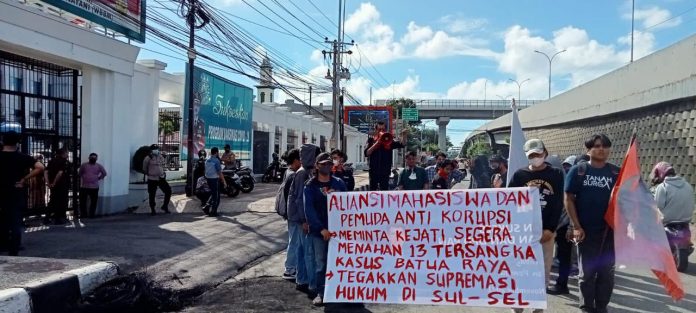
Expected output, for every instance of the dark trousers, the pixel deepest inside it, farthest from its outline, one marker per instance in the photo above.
(11, 205)
(597, 259)
(564, 253)
(379, 181)
(214, 184)
(163, 185)
(58, 203)
(93, 194)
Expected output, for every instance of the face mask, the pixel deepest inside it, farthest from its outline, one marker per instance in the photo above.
(335, 162)
(155, 152)
(536, 162)
(325, 170)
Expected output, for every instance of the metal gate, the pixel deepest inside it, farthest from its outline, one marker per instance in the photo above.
(40, 100)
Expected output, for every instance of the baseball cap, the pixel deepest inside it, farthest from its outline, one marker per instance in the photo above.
(533, 146)
(323, 158)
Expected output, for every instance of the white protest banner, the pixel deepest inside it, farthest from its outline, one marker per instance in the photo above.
(448, 247)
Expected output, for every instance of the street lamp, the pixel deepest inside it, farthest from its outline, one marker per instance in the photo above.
(519, 87)
(550, 61)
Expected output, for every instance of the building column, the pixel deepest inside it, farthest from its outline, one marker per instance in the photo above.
(283, 138)
(442, 133)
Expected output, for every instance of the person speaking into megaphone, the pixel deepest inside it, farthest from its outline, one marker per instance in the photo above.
(378, 150)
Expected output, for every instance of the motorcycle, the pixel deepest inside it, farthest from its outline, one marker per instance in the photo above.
(233, 184)
(275, 171)
(245, 179)
(679, 238)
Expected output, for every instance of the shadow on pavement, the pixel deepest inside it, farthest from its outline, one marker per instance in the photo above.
(649, 293)
(132, 241)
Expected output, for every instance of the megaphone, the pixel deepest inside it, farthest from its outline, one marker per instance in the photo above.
(386, 139)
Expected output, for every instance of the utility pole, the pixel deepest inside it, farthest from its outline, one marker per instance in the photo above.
(633, 19)
(192, 15)
(338, 73)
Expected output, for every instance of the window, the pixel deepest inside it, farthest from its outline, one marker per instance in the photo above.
(18, 84)
(50, 90)
(263, 97)
(38, 88)
(271, 97)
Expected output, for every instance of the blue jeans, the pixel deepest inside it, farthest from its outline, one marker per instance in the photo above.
(295, 260)
(321, 250)
(214, 185)
(308, 258)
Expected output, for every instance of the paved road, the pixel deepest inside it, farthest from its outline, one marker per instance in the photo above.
(261, 289)
(180, 250)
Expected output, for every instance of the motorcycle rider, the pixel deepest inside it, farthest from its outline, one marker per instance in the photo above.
(673, 194)
(229, 159)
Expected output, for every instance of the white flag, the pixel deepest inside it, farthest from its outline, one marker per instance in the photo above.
(517, 159)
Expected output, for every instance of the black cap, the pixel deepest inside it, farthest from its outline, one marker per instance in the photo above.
(154, 147)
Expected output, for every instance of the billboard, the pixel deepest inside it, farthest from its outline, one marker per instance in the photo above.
(123, 16)
(221, 114)
(364, 117)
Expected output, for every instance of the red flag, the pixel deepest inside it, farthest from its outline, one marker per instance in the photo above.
(639, 236)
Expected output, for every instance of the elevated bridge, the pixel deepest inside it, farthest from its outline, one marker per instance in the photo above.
(444, 110)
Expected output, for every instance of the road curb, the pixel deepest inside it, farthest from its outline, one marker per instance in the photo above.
(56, 291)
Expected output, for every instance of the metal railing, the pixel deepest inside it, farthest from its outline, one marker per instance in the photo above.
(465, 104)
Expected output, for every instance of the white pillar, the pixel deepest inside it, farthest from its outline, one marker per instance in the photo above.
(105, 106)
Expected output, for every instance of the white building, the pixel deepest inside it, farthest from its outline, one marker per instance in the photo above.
(70, 87)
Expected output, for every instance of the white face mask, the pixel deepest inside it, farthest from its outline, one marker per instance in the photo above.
(536, 162)
(335, 162)
(155, 152)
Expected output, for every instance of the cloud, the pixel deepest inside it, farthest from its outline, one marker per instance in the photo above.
(654, 17)
(443, 45)
(456, 24)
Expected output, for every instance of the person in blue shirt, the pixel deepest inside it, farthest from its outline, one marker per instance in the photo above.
(315, 195)
(588, 188)
(213, 173)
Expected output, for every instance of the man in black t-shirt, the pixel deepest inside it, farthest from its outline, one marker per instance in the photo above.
(15, 168)
(58, 179)
(379, 152)
(549, 181)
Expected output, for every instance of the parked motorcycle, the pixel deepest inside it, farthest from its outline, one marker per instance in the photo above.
(233, 184)
(245, 178)
(275, 171)
(679, 238)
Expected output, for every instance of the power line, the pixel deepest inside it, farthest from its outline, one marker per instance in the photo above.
(671, 18)
(301, 21)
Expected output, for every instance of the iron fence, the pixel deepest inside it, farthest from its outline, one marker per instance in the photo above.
(169, 130)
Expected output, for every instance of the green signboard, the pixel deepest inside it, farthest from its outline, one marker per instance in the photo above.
(122, 16)
(409, 114)
(222, 115)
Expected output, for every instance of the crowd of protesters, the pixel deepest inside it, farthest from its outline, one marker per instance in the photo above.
(574, 197)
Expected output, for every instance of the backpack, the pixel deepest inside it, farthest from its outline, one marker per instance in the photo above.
(281, 200)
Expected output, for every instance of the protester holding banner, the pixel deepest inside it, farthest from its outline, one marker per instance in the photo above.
(379, 151)
(588, 187)
(296, 216)
(317, 213)
(413, 177)
(549, 181)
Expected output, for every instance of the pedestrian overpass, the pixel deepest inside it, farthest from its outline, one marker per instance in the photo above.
(444, 110)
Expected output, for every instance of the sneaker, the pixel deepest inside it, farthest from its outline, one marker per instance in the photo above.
(304, 288)
(318, 301)
(289, 275)
(557, 290)
(206, 209)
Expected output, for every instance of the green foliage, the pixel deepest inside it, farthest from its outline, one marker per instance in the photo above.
(478, 148)
(169, 124)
